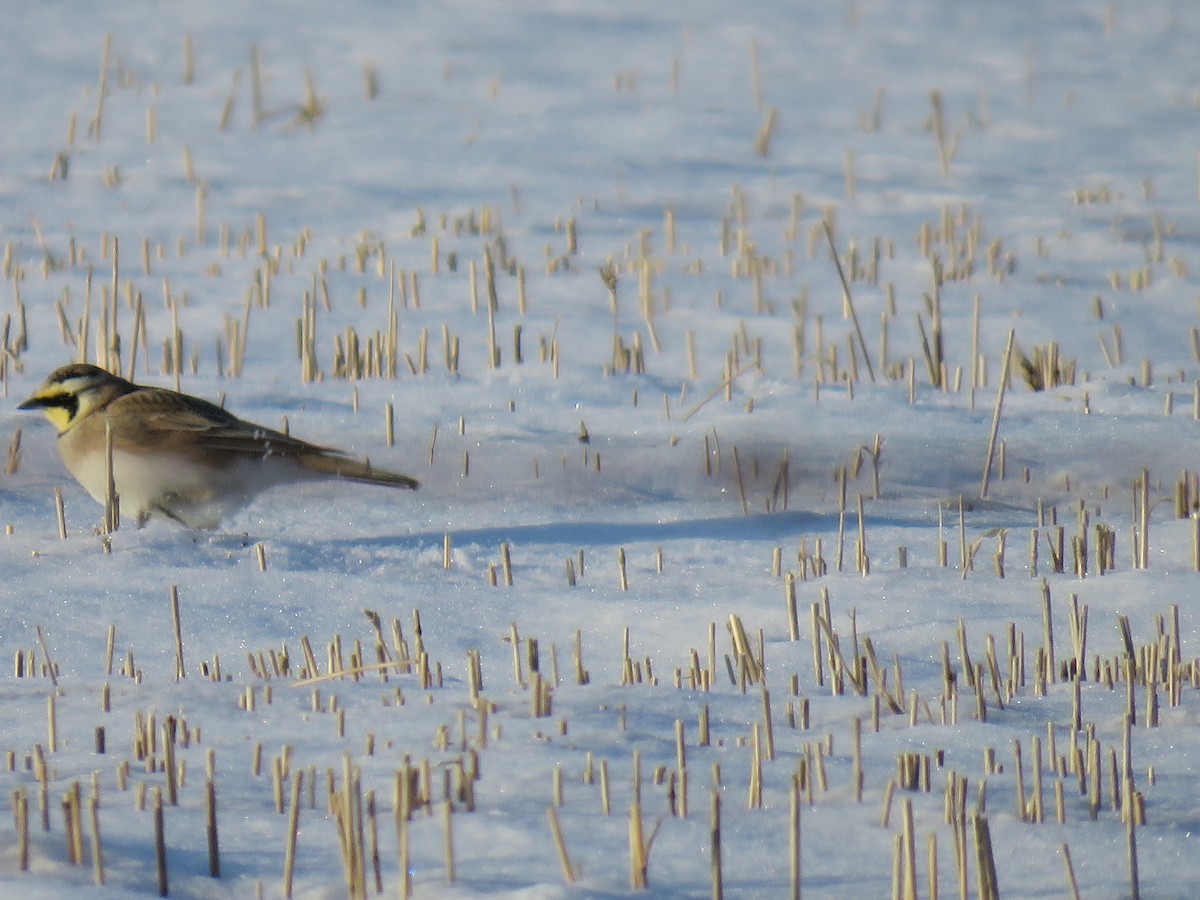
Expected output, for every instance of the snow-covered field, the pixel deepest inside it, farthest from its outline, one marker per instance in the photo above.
(670, 422)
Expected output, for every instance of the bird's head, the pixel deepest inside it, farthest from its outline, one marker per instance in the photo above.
(72, 392)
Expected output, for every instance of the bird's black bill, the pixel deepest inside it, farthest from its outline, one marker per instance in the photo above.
(69, 402)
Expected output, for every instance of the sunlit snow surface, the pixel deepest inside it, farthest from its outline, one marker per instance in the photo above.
(582, 135)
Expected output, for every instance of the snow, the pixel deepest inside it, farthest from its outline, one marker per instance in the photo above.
(1072, 142)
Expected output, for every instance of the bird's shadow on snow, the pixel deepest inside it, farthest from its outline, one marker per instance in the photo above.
(764, 526)
(779, 527)
(311, 553)
(334, 553)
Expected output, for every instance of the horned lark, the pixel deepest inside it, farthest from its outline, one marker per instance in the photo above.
(176, 456)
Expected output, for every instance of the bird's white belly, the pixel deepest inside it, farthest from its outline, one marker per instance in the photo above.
(173, 486)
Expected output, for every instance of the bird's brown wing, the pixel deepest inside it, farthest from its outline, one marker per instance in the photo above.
(204, 430)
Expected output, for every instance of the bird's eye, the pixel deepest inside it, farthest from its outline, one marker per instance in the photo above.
(69, 402)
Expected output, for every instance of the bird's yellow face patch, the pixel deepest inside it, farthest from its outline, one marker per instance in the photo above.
(62, 402)
(60, 406)
(70, 394)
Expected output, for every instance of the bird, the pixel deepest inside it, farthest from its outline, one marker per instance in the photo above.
(175, 456)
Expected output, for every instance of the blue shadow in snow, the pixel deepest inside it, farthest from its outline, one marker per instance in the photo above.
(763, 526)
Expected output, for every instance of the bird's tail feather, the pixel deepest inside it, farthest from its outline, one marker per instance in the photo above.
(356, 470)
